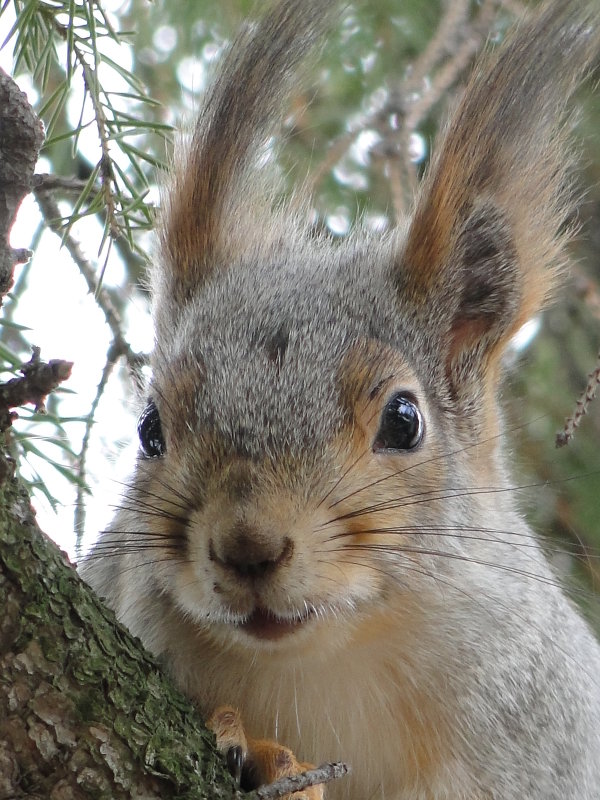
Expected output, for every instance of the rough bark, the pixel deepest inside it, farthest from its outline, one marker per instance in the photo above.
(21, 136)
(84, 711)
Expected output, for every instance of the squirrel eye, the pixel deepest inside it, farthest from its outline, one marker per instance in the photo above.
(150, 432)
(401, 426)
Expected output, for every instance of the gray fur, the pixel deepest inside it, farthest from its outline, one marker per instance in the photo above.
(438, 654)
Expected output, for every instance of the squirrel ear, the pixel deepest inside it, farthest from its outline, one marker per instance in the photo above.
(487, 284)
(218, 207)
(473, 300)
(486, 244)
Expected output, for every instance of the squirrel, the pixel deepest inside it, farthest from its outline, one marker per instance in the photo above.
(319, 535)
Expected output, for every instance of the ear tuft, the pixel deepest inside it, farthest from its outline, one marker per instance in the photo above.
(218, 198)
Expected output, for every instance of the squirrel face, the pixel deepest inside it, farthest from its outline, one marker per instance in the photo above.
(273, 535)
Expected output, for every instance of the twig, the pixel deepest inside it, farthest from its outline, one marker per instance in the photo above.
(448, 74)
(572, 423)
(441, 44)
(48, 182)
(296, 783)
(80, 509)
(410, 102)
(112, 356)
(398, 181)
(39, 379)
(106, 171)
(335, 151)
(119, 346)
(454, 37)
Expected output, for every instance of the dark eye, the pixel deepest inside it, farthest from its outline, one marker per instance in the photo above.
(150, 432)
(401, 426)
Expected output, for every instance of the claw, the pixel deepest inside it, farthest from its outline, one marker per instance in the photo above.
(235, 762)
(255, 762)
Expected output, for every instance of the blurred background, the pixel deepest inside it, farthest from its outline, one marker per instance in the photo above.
(113, 81)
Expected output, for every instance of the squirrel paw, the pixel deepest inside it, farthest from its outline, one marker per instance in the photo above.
(256, 762)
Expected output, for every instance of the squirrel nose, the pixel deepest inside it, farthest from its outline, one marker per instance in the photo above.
(251, 555)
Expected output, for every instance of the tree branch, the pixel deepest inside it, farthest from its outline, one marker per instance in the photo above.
(39, 379)
(20, 143)
(297, 783)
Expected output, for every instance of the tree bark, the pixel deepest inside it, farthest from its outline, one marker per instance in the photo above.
(84, 711)
(21, 136)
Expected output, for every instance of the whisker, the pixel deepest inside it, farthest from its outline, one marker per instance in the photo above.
(344, 474)
(458, 531)
(435, 458)
(136, 490)
(542, 579)
(142, 564)
(511, 611)
(434, 495)
(117, 532)
(173, 490)
(124, 549)
(150, 511)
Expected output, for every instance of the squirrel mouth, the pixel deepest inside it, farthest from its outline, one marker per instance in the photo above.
(263, 624)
